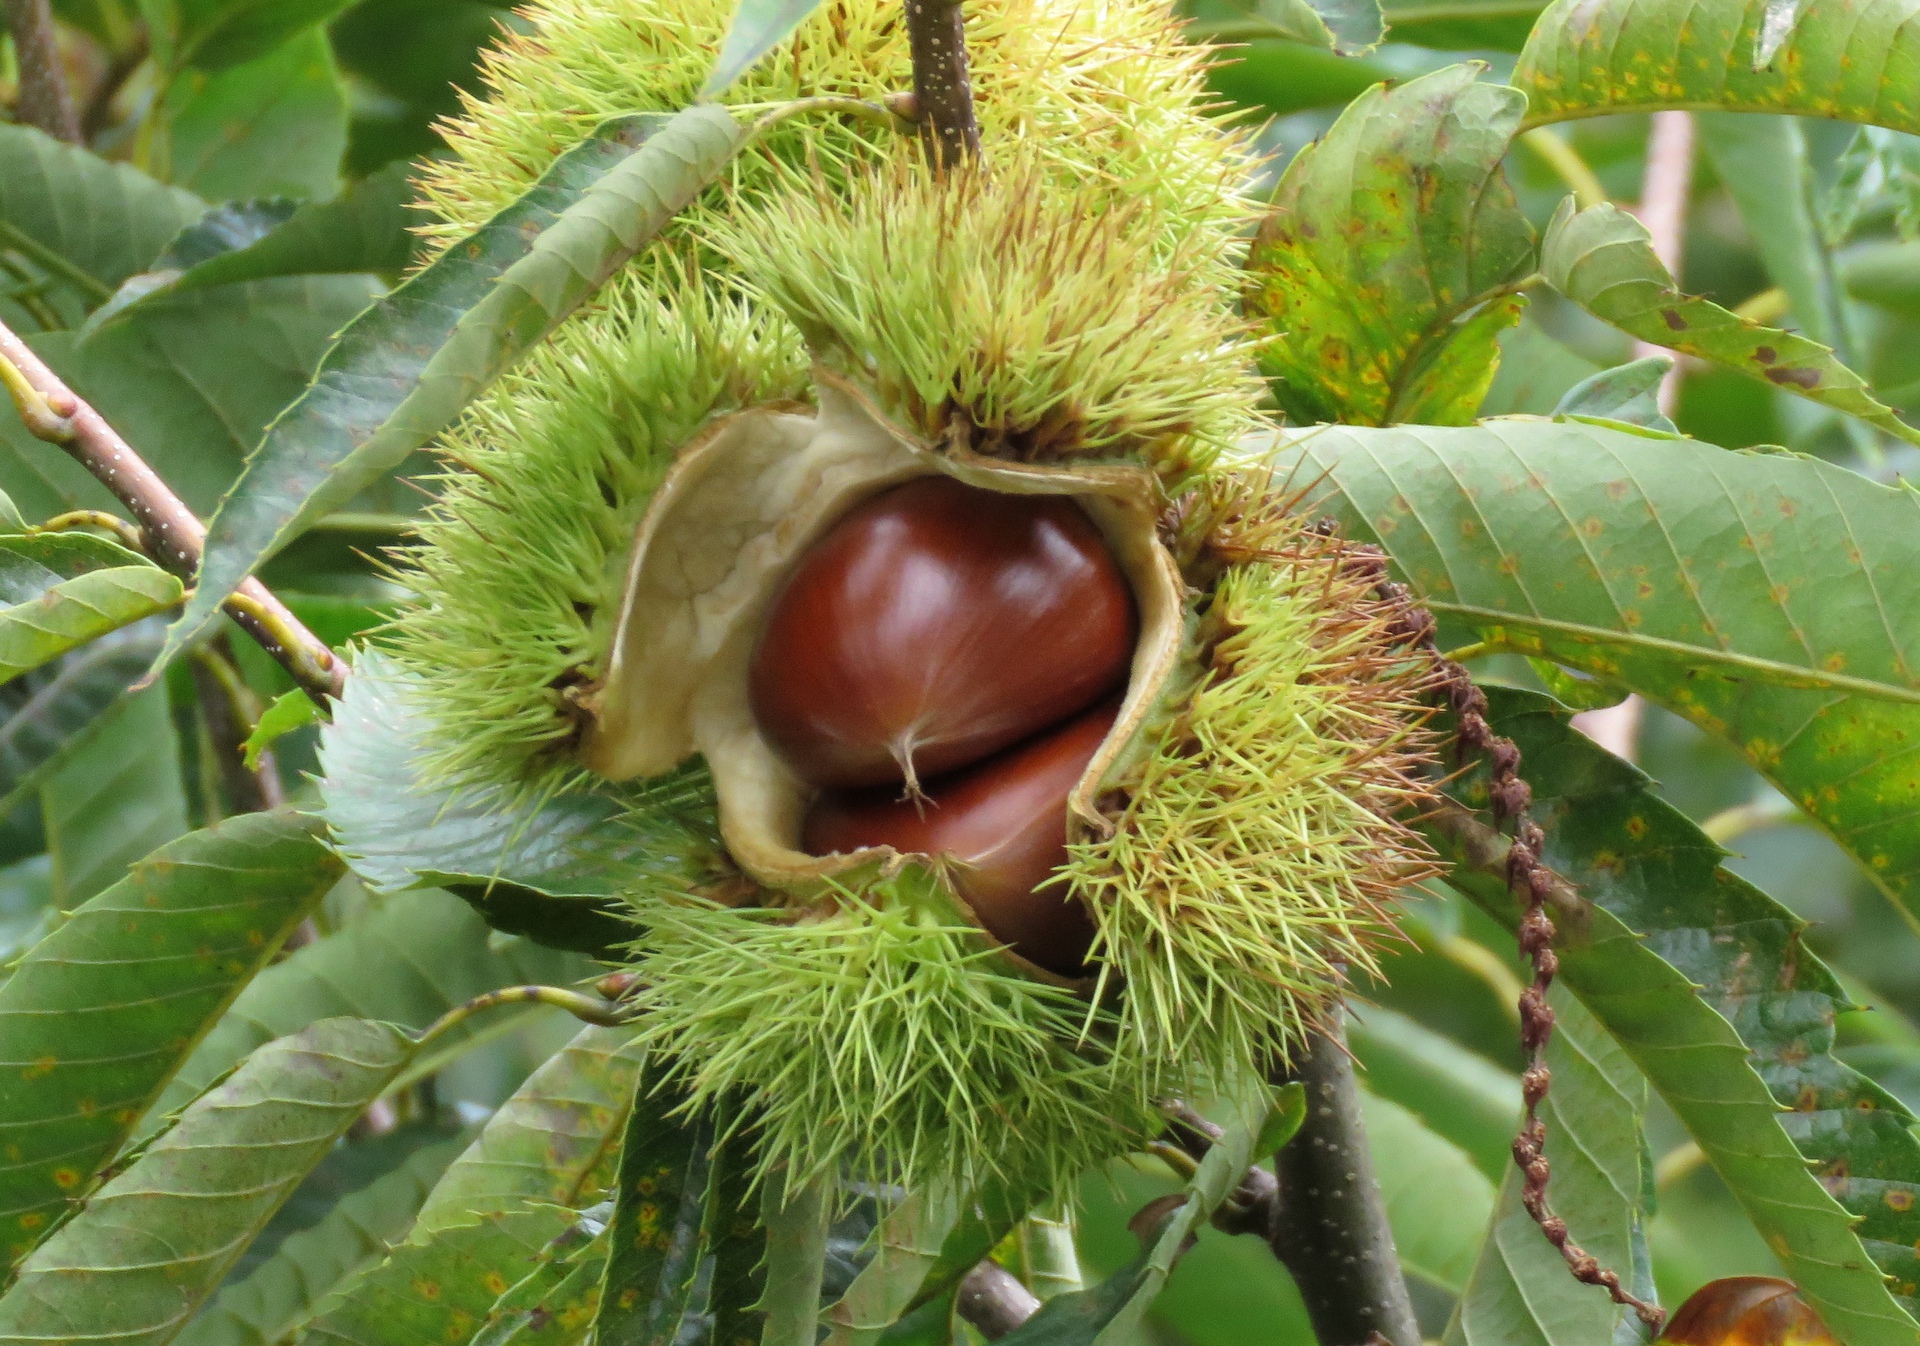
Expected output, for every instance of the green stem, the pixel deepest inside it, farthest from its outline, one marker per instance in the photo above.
(41, 255)
(1553, 150)
(589, 1009)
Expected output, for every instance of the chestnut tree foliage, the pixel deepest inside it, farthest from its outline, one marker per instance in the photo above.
(246, 1095)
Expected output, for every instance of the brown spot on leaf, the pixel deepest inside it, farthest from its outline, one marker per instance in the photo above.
(1766, 355)
(1675, 323)
(1799, 378)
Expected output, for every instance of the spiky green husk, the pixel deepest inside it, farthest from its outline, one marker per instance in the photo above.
(886, 1041)
(1258, 842)
(1109, 91)
(1036, 323)
(522, 552)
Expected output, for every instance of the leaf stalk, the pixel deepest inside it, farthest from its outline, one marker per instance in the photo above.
(171, 534)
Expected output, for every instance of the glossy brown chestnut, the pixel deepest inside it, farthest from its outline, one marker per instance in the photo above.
(1005, 819)
(1747, 1311)
(934, 625)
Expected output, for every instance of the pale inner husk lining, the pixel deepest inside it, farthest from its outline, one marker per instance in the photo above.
(739, 507)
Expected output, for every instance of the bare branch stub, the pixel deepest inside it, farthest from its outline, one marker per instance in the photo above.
(942, 86)
(173, 535)
(1534, 886)
(45, 101)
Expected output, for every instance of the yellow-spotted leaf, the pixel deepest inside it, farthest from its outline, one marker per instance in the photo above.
(1853, 60)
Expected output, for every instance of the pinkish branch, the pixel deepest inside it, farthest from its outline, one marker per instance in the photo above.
(173, 536)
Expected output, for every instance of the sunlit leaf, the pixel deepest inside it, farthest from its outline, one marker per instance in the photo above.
(1766, 597)
(99, 1015)
(149, 1247)
(1387, 264)
(1602, 259)
(440, 1285)
(1841, 59)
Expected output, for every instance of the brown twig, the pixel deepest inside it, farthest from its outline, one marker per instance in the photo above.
(93, 120)
(231, 709)
(942, 88)
(1329, 1220)
(1534, 887)
(172, 534)
(45, 101)
(994, 1301)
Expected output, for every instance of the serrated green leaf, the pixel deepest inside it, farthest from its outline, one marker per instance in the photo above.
(51, 712)
(555, 1140)
(144, 1252)
(1624, 393)
(275, 125)
(401, 373)
(1838, 59)
(440, 1285)
(1768, 598)
(365, 228)
(283, 1290)
(1602, 258)
(758, 27)
(548, 869)
(907, 1247)
(406, 961)
(115, 798)
(660, 1211)
(557, 1303)
(1109, 1313)
(79, 610)
(287, 713)
(1705, 982)
(99, 1014)
(1521, 1293)
(1386, 265)
(1437, 1200)
(104, 221)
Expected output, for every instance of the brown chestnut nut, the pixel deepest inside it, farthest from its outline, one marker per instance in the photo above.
(1005, 819)
(1747, 1311)
(936, 624)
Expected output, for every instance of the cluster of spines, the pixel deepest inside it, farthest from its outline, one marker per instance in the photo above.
(1260, 840)
(984, 307)
(526, 545)
(883, 1039)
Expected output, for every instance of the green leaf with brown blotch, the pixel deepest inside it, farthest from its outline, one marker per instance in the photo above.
(1708, 985)
(402, 371)
(738, 1243)
(1851, 60)
(1602, 258)
(154, 1242)
(1773, 600)
(1387, 265)
(271, 1300)
(660, 1216)
(558, 1300)
(556, 1139)
(101, 1013)
(440, 1285)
